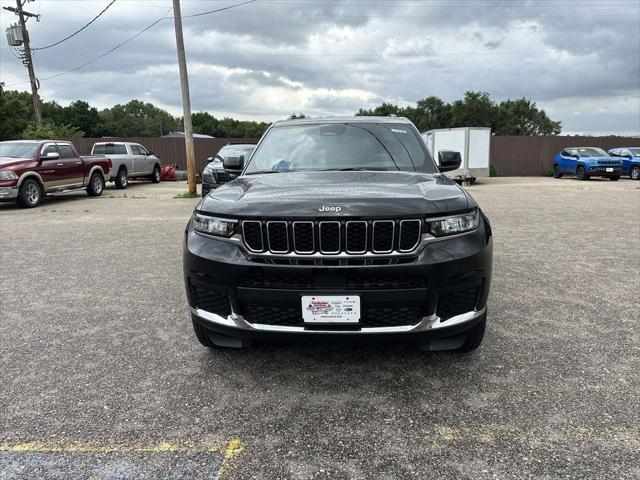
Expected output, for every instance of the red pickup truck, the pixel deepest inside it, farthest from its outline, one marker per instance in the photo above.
(31, 169)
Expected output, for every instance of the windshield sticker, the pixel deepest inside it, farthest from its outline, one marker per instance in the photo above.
(398, 130)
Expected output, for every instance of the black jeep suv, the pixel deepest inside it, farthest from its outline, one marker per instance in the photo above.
(340, 227)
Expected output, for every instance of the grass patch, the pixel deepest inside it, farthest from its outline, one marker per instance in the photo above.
(187, 195)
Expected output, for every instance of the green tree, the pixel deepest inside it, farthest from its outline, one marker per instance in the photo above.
(14, 113)
(475, 109)
(205, 123)
(137, 119)
(435, 113)
(522, 117)
(81, 115)
(51, 130)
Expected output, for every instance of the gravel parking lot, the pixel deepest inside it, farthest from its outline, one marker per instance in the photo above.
(101, 376)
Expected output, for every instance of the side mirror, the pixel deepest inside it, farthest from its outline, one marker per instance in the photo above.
(449, 160)
(233, 164)
(52, 156)
(149, 152)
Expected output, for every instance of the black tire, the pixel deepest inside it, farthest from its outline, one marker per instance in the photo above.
(474, 337)
(122, 180)
(635, 172)
(582, 173)
(556, 172)
(96, 185)
(30, 194)
(155, 176)
(614, 179)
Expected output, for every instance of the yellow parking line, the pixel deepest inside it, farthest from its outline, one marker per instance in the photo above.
(234, 448)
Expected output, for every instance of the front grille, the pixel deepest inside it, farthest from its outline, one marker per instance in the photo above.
(290, 316)
(457, 302)
(608, 162)
(332, 237)
(223, 177)
(212, 300)
(361, 282)
(269, 280)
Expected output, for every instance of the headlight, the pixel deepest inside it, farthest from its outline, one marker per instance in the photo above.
(8, 175)
(220, 227)
(454, 224)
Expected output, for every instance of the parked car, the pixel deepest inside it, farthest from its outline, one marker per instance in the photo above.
(31, 169)
(214, 173)
(630, 157)
(586, 162)
(129, 160)
(340, 227)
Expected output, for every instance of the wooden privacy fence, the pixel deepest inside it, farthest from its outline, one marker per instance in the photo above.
(168, 150)
(526, 156)
(510, 155)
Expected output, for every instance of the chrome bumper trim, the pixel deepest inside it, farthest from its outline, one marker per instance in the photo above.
(8, 193)
(432, 322)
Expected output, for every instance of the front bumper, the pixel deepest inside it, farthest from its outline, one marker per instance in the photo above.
(601, 170)
(440, 291)
(8, 193)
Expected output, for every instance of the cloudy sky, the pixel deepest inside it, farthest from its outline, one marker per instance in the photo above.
(578, 59)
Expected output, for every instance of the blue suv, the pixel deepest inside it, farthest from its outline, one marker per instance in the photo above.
(630, 157)
(586, 162)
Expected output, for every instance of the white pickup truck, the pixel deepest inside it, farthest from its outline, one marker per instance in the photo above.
(129, 160)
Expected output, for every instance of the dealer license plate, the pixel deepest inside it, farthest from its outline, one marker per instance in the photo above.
(331, 308)
(609, 169)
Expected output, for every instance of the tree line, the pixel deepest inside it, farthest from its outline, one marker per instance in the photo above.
(140, 119)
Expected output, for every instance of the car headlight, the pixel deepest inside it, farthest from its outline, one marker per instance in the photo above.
(220, 227)
(8, 175)
(455, 224)
(211, 166)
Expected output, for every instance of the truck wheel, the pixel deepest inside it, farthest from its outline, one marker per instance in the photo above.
(474, 337)
(121, 179)
(216, 341)
(96, 185)
(582, 173)
(556, 172)
(614, 179)
(635, 172)
(30, 194)
(155, 176)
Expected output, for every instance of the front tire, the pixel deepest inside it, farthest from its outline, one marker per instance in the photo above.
(635, 172)
(556, 172)
(122, 179)
(582, 173)
(30, 194)
(96, 185)
(155, 176)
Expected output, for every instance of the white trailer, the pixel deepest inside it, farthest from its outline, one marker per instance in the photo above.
(473, 143)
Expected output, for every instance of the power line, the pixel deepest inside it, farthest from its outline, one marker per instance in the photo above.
(218, 9)
(77, 31)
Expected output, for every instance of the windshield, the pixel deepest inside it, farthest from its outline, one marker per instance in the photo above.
(235, 151)
(338, 146)
(592, 152)
(635, 152)
(18, 150)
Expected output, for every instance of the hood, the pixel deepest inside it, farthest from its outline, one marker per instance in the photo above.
(367, 194)
(11, 161)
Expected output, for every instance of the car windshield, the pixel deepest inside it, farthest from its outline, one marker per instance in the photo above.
(236, 151)
(341, 146)
(592, 152)
(635, 152)
(17, 150)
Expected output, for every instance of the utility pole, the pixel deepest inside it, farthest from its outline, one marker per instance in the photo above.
(186, 103)
(27, 59)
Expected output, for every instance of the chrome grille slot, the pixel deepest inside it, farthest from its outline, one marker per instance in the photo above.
(330, 237)
(356, 237)
(409, 234)
(303, 237)
(252, 235)
(383, 236)
(278, 236)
